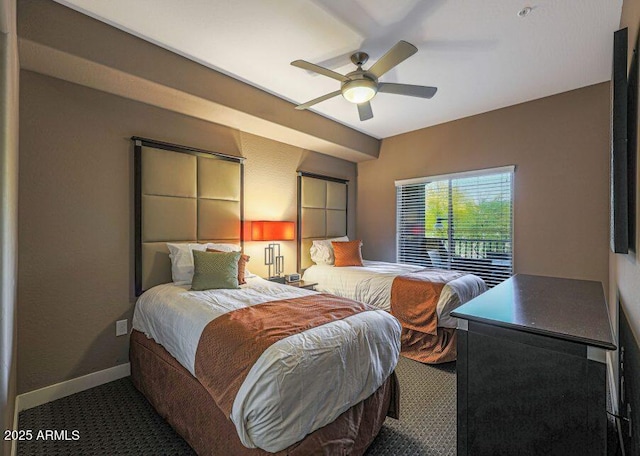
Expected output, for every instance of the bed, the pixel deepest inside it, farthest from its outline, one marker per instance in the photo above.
(424, 299)
(284, 396)
(256, 367)
(372, 282)
(421, 298)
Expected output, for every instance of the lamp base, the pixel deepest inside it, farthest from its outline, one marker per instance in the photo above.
(276, 279)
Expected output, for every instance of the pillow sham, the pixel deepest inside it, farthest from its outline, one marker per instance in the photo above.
(224, 247)
(215, 270)
(322, 251)
(242, 265)
(182, 261)
(347, 253)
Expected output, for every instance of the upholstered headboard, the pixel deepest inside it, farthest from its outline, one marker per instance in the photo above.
(182, 194)
(322, 212)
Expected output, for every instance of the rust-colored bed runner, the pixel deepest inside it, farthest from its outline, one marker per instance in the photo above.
(231, 344)
(414, 302)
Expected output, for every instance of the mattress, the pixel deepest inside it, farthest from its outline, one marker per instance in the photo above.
(371, 283)
(300, 383)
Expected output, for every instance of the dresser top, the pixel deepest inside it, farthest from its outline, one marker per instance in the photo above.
(568, 309)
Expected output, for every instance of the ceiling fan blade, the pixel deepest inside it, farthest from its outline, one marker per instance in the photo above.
(364, 111)
(308, 104)
(318, 69)
(393, 57)
(407, 89)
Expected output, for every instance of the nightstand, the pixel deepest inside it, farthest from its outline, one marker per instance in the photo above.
(303, 284)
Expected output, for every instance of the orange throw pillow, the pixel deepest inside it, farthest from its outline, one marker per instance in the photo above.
(347, 253)
(242, 265)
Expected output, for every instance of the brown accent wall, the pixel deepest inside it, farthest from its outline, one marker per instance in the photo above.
(9, 74)
(76, 216)
(625, 271)
(626, 268)
(560, 146)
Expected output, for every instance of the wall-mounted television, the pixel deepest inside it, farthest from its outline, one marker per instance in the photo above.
(619, 207)
(633, 128)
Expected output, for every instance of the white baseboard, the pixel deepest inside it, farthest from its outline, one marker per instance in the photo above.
(75, 385)
(14, 442)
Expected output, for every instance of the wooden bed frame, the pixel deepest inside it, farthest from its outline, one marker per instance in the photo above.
(191, 195)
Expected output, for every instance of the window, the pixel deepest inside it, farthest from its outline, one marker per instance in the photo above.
(458, 221)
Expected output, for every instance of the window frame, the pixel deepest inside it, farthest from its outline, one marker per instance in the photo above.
(401, 216)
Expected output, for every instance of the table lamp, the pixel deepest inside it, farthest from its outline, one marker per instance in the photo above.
(268, 230)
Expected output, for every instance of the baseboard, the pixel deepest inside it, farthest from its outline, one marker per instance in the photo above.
(14, 442)
(59, 390)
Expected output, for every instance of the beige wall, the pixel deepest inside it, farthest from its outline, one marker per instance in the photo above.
(76, 216)
(560, 148)
(9, 74)
(271, 192)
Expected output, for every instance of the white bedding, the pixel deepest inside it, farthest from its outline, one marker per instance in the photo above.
(372, 282)
(300, 383)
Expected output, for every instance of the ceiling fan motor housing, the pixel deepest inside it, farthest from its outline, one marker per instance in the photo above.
(360, 88)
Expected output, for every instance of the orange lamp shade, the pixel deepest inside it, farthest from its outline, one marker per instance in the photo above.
(268, 230)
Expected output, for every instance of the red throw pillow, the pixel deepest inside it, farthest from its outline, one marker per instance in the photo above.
(242, 265)
(347, 253)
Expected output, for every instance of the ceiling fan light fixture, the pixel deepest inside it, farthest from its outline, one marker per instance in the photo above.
(359, 90)
(360, 86)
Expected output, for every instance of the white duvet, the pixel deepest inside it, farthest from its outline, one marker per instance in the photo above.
(372, 282)
(300, 383)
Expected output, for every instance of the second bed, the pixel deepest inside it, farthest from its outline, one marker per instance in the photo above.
(421, 298)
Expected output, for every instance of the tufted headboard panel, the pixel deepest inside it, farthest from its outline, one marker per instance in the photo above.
(322, 212)
(182, 195)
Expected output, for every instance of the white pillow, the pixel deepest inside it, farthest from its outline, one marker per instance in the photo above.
(322, 251)
(182, 261)
(224, 247)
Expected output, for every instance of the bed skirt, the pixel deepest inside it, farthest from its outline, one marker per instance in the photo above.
(181, 400)
(429, 348)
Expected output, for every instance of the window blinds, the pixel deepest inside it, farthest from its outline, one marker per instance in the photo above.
(458, 221)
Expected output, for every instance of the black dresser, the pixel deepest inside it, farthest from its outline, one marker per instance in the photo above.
(531, 369)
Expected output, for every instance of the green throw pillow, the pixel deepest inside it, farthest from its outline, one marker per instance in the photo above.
(214, 270)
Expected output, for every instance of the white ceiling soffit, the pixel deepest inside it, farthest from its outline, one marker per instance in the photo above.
(480, 54)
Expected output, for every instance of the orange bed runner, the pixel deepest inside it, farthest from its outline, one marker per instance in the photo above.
(232, 343)
(414, 302)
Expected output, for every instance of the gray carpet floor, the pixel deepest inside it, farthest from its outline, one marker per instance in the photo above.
(115, 419)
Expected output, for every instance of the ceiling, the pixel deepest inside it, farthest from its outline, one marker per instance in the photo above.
(480, 54)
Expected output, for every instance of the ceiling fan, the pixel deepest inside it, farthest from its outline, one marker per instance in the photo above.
(360, 85)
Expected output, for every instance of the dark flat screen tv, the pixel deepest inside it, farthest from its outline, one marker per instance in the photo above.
(633, 91)
(619, 206)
